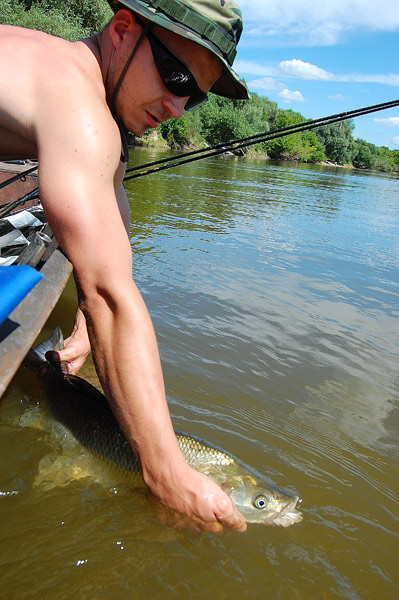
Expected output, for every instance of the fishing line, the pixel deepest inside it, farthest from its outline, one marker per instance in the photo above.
(234, 145)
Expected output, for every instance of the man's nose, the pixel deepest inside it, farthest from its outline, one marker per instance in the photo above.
(174, 105)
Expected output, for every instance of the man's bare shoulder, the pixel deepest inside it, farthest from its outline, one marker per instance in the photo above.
(35, 49)
(18, 44)
(61, 93)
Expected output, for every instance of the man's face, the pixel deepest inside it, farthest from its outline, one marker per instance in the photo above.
(143, 101)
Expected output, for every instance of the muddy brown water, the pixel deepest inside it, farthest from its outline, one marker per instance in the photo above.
(274, 294)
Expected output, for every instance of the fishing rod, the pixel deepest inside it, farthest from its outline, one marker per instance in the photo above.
(237, 144)
(7, 209)
(20, 176)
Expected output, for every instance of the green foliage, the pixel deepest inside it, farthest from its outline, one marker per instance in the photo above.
(338, 141)
(175, 132)
(363, 155)
(369, 156)
(92, 15)
(73, 20)
(312, 149)
(384, 160)
(180, 133)
(285, 147)
(303, 146)
(395, 160)
(221, 120)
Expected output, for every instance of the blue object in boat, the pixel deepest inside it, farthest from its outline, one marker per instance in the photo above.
(15, 283)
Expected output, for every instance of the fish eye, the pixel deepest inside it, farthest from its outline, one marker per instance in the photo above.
(260, 501)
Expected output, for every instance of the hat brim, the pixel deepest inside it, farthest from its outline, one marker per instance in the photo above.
(229, 84)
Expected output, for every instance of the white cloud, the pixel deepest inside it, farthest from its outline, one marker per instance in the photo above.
(321, 23)
(394, 143)
(267, 84)
(253, 68)
(339, 97)
(390, 79)
(390, 122)
(298, 69)
(289, 96)
(304, 70)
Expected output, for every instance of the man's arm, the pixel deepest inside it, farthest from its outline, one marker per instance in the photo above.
(76, 180)
(77, 345)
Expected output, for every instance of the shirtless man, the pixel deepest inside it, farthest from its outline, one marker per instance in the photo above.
(60, 102)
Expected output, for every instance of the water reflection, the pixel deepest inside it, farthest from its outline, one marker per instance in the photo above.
(279, 283)
(290, 301)
(361, 416)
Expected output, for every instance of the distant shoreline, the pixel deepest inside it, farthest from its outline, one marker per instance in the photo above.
(158, 143)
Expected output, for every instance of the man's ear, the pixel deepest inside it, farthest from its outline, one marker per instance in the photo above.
(121, 24)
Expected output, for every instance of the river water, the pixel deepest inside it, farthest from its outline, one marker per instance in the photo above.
(274, 294)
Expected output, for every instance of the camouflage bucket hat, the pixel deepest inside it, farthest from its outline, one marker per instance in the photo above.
(214, 24)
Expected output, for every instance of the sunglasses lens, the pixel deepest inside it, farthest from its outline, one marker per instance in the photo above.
(176, 79)
(195, 100)
(175, 76)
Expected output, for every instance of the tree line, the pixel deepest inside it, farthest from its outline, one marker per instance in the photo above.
(219, 119)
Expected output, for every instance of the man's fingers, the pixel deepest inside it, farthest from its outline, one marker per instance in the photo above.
(232, 522)
(235, 521)
(227, 515)
(68, 355)
(52, 356)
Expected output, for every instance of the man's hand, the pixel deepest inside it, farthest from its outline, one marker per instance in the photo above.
(76, 350)
(76, 347)
(192, 500)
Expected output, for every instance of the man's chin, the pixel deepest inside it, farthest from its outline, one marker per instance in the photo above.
(139, 130)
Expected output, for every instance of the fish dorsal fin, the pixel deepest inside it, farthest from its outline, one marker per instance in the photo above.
(57, 339)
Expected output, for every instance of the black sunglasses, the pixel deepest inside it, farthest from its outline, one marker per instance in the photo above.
(175, 76)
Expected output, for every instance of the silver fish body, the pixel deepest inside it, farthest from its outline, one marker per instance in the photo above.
(85, 412)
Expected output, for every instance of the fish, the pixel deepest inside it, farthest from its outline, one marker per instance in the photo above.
(84, 411)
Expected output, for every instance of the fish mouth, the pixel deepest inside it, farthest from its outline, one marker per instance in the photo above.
(289, 514)
(290, 506)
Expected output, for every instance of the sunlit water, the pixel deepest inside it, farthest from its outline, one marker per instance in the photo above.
(274, 294)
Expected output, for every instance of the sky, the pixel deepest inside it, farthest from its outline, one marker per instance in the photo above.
(322, 57)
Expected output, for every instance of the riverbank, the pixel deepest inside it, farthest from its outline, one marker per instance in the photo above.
(156, 141)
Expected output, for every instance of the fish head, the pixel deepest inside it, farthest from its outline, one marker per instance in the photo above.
(262, 502)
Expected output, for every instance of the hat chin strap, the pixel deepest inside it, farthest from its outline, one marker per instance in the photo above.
(119, 122)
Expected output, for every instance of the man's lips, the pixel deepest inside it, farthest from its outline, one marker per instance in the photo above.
(153, 120)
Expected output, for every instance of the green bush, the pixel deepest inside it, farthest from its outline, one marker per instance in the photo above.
(72, 21)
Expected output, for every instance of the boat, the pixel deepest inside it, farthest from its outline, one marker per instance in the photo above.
(33, 268)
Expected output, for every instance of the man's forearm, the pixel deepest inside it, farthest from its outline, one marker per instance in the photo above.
(127, 360)
(79, 326)
(126, 355)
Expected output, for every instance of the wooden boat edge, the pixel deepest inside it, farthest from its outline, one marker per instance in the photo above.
(20, 329)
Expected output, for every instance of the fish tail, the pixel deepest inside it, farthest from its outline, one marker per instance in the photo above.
(36, 357)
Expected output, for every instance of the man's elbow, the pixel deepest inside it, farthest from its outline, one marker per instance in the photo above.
(102, 294)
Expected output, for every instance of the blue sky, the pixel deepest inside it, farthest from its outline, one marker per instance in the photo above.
(321, 57)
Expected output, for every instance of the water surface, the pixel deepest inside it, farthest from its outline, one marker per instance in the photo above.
(273, 291)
